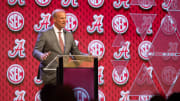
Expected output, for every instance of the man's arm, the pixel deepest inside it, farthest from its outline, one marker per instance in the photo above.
(74, 48)
(38, 49)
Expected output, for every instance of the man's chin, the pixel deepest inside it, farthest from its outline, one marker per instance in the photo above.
(63, 26)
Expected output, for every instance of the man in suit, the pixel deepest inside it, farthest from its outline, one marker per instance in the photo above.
(52, 42)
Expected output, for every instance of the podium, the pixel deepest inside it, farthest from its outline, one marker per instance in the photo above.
(78, 71)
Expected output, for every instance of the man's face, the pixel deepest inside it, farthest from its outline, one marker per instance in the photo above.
(60, 20)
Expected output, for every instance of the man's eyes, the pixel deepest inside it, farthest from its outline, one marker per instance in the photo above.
(62, 18)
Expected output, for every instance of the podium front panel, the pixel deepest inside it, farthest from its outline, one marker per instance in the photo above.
(82, 81)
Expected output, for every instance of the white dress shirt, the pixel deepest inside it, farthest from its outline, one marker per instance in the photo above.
(57, 33)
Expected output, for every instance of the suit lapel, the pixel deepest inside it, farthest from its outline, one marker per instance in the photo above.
(67, 41)
(55, 40)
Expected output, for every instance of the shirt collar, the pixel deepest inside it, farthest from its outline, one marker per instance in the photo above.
(56, 29)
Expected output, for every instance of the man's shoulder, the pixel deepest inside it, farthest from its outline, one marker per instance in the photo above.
(67, 32)
(45, 33)
(49, 29)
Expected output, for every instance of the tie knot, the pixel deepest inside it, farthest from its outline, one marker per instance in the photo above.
(60, 33)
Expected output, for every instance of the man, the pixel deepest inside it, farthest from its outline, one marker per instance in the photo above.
(52, 42)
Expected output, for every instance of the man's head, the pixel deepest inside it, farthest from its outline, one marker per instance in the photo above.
(59, 18)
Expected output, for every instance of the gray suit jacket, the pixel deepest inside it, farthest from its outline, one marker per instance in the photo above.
(47, 42)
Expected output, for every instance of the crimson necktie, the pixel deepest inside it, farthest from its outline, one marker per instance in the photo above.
(61, 42)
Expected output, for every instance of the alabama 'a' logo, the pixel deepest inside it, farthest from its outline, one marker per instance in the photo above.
(121, 3)
(18, 50)
(37, 96)
(96, 3)
(145, 77)
(37, 81)
(123, 52)
(15, 21)
(146, 26)
(96, 25)
(124, 96)
(43, 2)
(19, 95)
(143, 49)
(101, 96)
(81, 94)
(44, 23)
(96, 48)
(71, 22)
(120, 78)
(13, 2)
(15, 74)
(120, 24)
(66, 3)
(100, 75)
(172, 52)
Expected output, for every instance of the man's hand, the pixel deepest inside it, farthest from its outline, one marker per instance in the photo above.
(44, 56)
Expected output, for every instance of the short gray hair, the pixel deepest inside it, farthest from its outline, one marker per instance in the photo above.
(57, 10)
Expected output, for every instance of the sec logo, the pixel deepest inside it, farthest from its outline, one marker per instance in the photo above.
(145, 97)
(101, 96)
(120, 24)
(96, 48)
(96, 3)
(81, 94)
(100, 75)
(13, 2)
(145, 4)
(166, 4)
(37, 81)
(15, 74)
(168, 75)
(37, 96)
(43, 2)
(71, 22)
(119, 76)
(143, 49)
(15, 21)
(168, 25)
